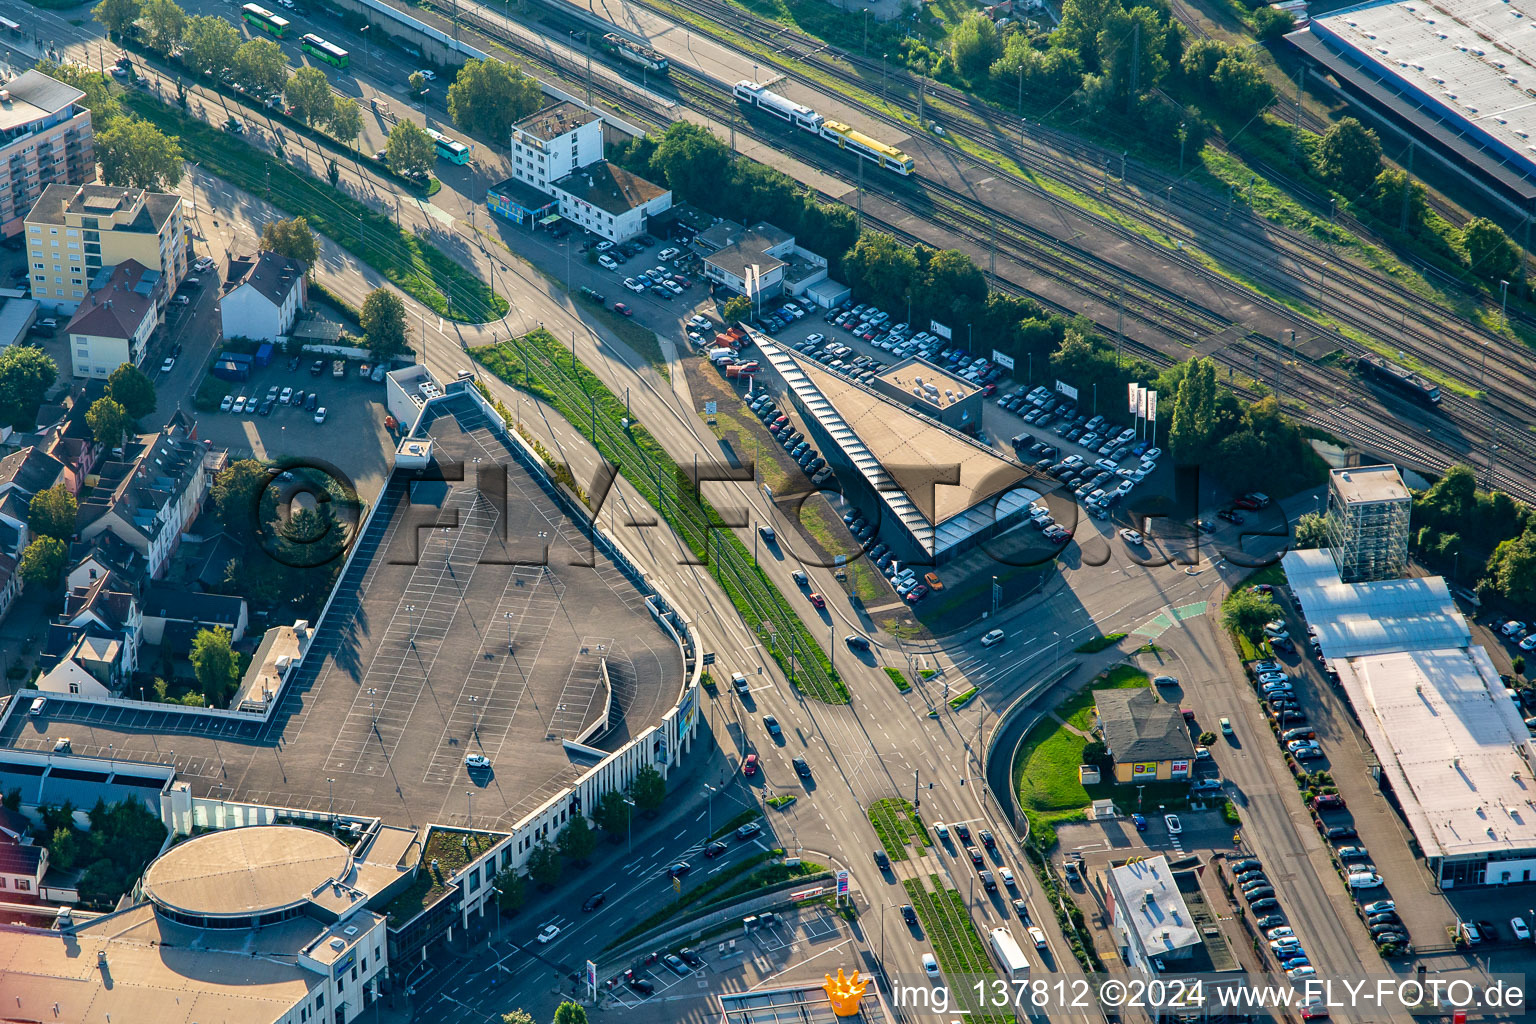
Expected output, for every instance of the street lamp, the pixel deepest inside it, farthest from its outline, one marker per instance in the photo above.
(711, 804)
(410, 610)
(630, 821)
(330, 800)
(508, 617)
(1504, 302)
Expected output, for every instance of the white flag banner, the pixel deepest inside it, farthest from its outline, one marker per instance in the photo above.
(1152, 406)
(1141, 402)
(1131, 395)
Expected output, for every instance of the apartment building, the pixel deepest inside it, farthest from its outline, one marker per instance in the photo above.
(74, 231)
(45, 139)
(548, 145)
(115, 322)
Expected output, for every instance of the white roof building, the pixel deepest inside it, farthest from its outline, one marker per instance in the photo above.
(1454, 751)
(1150, 919)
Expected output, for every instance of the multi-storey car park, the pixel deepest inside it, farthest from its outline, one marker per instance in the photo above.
(478, 616)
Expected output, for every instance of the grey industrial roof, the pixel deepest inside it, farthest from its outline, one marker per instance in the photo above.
(1451, 740)
(1140, 727)
(1369, 484)
(555, 120)
(1152, 905)
(246, 871)
(1476, 59)
(1383, 616)
(35, 96)
(910, 375)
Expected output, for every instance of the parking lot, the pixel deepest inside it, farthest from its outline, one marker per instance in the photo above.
(352, 438)
(729, 962)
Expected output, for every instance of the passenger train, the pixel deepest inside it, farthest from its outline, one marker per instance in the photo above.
(835, 132)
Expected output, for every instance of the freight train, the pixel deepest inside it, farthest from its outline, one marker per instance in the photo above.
(835, 132)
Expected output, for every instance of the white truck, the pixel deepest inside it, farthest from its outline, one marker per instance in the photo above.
(1009, 956)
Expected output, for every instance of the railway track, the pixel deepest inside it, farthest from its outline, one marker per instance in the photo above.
(1389, 314)
(1171, 318)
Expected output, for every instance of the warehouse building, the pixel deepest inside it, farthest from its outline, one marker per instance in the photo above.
(938, 493)
(1456, 76)
(1455, 756)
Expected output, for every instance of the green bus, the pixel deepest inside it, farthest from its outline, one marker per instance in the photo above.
(264, 19)
(448, 149)
(328, 52)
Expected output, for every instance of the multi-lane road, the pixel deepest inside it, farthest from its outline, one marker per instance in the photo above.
(860, 753)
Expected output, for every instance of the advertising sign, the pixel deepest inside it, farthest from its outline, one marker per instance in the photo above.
(1063, 388)
(1148, 768)
(1152, 406)
(942, 330)
(1005, 361)
(842, 882)
(1141, 402)
(1180, 768)
(1130, 390)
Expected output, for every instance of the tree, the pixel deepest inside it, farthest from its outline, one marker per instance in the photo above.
(292, 238)
(409, 151)
(51, 513)
(577, 840)
(42, 563)
(1207, 738)
(261, 67)
(237, 496)
(418, 84)
(1311, 531)
(1240, 86)
(346, 121)
(117, 16)
(544, 864)
(215, 665)
(1130, 50)
(737, 307)
(136, 154)
(1512, 569)
(570, 1013)
(1193, 422)
(332, 172)
(135, 392)
(1349, 155)
(950, 286)
(649, 790)
(108, 420)
(209, 45)
(612, 813)
(881, 269)
(512, 892)
(975, 45)
(383, 323)
(1489, 252)
(1245, 611)
(308, 92)
(1385, 200)
(99, 98)
(164, 23)
(1270, 24)
(26, 374)
(490, 96)
(517, 1017)
(694, 163)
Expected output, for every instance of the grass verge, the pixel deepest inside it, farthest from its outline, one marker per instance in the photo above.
(896, 822)
(960, 700)
(899, 678)
(1098, 643)
(956, 944)
(420, 270)
(587, 403)
(750, 814)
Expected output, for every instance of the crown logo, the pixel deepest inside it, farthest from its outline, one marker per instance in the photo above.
(845, 992)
